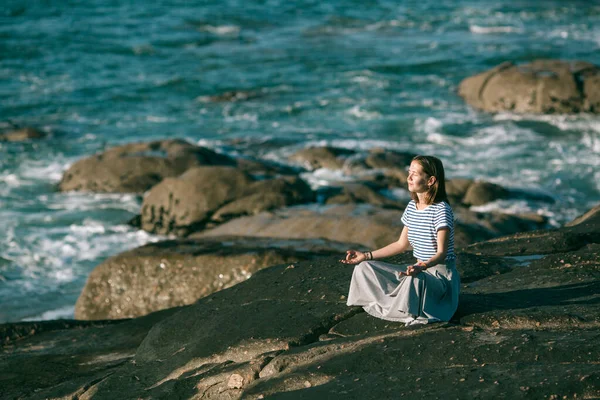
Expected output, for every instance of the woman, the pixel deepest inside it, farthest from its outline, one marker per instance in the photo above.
(428, 290)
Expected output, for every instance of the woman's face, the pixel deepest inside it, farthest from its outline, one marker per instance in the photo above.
(417, 179)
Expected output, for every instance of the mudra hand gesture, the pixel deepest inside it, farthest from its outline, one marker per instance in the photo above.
(354, 257)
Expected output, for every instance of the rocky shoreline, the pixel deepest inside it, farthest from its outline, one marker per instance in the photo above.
(234, 216)
(246, 300)
(523, 330)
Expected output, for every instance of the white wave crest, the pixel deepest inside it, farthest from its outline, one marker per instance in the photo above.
(221, 29)
(484, 30)
(357, 112)
(67, 312)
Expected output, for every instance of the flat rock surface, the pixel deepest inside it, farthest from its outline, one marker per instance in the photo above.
(525, 328)
(178, 272)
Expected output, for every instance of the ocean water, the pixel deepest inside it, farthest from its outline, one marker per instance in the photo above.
(354, 74)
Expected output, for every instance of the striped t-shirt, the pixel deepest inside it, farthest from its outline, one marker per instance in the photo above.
(423, 226)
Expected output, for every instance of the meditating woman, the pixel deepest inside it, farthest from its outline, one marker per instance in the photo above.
(428, 290)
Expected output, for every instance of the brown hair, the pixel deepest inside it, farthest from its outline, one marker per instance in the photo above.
(432, 166)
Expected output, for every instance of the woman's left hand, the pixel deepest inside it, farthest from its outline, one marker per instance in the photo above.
(413, 270)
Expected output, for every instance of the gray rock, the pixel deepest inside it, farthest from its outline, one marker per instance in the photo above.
(382, 158)
(204, 196)
(136, 167)
(321, 157)
(178, 205)
(542, 86)
(355, 193)
(480, 193)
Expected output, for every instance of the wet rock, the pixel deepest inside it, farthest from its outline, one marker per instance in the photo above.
(178, 272)
(542, 86)
(136, 167)
(321, 157)
(22, 134)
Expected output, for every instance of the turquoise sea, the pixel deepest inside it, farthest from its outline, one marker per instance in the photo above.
(354, 74)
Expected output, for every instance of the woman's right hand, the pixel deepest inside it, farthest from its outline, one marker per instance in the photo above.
(354, 257)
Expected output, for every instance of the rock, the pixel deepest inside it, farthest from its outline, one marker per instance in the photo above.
(480, 193)
(286, 332)
(362, 225)
(263, 169)
(62, 359)
(206, 195)
(266, 195)
(542, 241)
(136, 167)
(457, 188)
(231, 96)
(180, 205)
(542, 86)
(382, 158)
(555, 291)
(178, 272)
(354, 193)
(261, 338)
(321, 157)
(590, 217)
(22, 134)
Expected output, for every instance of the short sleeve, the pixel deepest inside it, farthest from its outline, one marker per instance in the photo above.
(405, 215)
(443, 217)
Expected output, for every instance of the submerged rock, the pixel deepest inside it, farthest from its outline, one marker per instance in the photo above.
(22, 134)
(542, 86)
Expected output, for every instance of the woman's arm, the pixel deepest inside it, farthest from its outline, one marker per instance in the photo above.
(402, 244)
(393, 248)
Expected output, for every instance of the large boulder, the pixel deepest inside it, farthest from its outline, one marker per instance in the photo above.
(204, 196)
(178, 272)
(136, 167)
(542, 86)
(179, 205)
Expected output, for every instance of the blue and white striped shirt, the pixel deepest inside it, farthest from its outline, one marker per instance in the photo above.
(423, 226)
